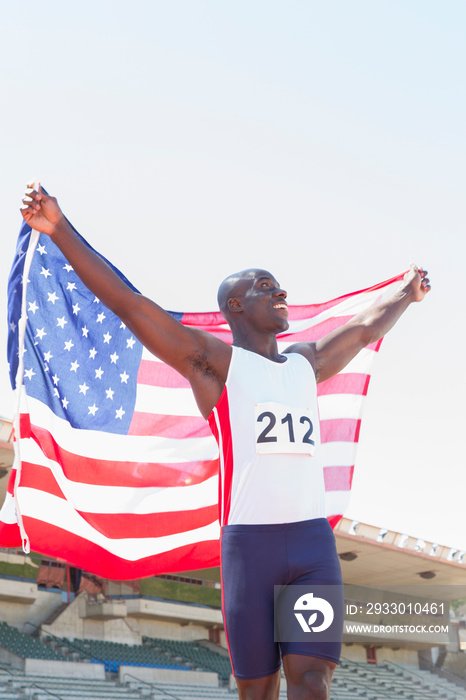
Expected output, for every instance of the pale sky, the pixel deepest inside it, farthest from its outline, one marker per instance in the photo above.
(324, 141)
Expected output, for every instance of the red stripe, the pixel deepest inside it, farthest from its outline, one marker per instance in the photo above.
(227, 452)
(339, 430)
(318, 331)
(338, 478)
(10, 535)
(334, 520)
(150, 424)
(351, 383)
(122, 525)
(132, 474)
(11, 482)
(159, 374)
(51, 540)
(40, 478)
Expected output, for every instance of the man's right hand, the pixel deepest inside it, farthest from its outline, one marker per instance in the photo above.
(41, 211)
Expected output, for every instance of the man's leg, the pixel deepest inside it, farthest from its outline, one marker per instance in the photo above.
(267, 688)
(307, 677)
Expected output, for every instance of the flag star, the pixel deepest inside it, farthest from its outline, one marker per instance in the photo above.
(69, 344)
(56, 393)
(12, 326)
(96, 300)
(92, 353)
(20, 252)
(61, 322)
(45, 272)
(122, 325)
(41, 249)
(124, 377)
(33, 306)
(107, 338)
(68, 268)
(84, 330)
(98, 373)
(71, 286)
(120, 413)
(130, 342)
(47, 356)
(29, 373)
(52, 297)
(76, 308)
(74, 366)
(55, 379)
(93, 409)
(114, 358)
(100, 317)
(83, 388)
(40, 332)
(109, 393)
(65, 403)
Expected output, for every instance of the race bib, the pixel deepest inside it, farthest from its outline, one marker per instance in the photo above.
(281, 429)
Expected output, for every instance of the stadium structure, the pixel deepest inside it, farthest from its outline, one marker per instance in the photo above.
(67, 634)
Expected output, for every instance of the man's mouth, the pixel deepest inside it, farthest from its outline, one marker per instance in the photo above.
(280, 305)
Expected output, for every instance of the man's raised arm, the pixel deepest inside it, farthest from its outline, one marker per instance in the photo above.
(183, 348)
(331, 354)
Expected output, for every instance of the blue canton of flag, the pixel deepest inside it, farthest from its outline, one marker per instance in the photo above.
(79, 358)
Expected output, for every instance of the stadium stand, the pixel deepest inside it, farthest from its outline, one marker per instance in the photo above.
(26, 646)
(195, 655)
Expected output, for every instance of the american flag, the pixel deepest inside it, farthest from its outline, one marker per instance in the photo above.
(116, 472)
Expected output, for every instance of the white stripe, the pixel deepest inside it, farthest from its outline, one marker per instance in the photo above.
(121, 448)
(222, 464)
(167, 400)
(348, 307)
(338, 454)
(8, 512)
(93, 498)
(58, 512)
(334, 406)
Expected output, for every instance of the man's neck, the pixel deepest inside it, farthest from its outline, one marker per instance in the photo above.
(262, 345)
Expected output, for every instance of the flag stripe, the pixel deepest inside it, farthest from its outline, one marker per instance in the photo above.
(89, 555)
(116, 499)
(176, 427)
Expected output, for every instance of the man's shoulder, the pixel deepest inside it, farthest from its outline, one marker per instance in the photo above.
(306, 350)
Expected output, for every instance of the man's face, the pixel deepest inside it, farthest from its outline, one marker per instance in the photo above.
(262, 302)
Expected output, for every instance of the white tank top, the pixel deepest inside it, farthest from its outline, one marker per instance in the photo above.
(266, 423)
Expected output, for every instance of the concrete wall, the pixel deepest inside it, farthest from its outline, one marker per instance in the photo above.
(130, 630)
(17, 614)
(165, 675)
(69, 669)
(10, 658)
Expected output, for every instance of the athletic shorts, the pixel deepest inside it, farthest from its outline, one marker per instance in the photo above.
(254, 559)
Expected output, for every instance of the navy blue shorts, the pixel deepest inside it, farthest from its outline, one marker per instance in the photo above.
(254, 559)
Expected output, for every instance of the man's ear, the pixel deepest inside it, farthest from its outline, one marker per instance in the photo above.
(234, 305)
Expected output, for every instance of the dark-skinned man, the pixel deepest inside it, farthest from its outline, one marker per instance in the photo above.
(262, 408)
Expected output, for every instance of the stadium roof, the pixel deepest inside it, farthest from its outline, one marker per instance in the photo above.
(371, 556)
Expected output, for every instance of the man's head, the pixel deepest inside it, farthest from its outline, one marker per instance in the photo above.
(253, 298)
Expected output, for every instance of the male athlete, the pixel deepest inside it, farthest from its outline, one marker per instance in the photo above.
(262, 408)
